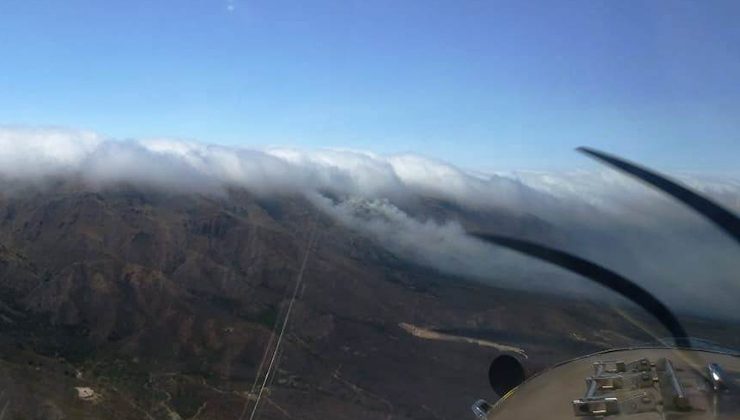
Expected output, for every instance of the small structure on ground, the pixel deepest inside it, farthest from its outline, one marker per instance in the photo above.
(86, 394)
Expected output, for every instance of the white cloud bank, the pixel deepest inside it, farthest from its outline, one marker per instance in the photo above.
(601, 215)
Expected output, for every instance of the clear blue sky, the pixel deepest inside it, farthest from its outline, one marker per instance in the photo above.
(484, 84)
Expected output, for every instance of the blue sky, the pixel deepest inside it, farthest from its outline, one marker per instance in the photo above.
(483, 84)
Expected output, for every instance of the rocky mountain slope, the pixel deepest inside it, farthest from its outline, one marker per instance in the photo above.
(166, 305)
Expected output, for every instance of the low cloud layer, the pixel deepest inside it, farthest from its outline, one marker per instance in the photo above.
(599, 214)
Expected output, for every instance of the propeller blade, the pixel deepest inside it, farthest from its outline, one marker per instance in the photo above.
(720, 216)
(597, 274)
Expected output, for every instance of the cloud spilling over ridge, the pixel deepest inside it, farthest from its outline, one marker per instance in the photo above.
(599, 214)
(38, 153)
